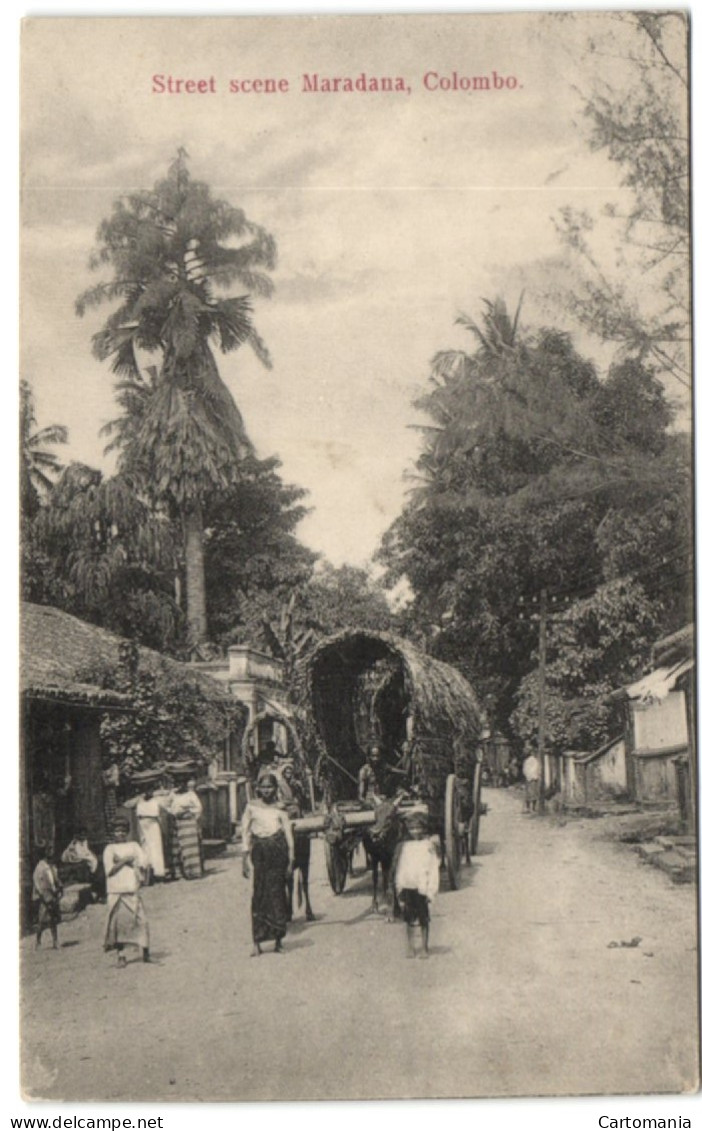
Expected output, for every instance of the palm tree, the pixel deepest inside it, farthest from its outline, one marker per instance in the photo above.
(172, 250)
(38, 465)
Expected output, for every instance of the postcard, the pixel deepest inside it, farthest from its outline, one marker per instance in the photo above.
(358, 655)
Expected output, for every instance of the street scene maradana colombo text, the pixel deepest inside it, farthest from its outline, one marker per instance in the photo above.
(357, 646)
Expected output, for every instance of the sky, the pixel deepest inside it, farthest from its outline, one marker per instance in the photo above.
(392, 213)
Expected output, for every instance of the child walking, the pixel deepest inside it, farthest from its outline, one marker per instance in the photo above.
(417, 880)
(47, 892)
(125, 868)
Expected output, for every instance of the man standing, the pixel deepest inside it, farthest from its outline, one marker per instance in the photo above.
(532, 774)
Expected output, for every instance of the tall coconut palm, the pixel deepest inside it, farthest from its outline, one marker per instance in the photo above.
(173, 250)
(38, 465)
(530, 394)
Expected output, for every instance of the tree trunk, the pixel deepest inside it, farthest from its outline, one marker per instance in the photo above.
(195, 575)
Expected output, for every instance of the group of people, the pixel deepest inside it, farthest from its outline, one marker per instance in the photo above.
(268, 848)
(169, 830)
(131, 860)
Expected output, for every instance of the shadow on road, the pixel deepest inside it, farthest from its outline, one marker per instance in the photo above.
(296, 944)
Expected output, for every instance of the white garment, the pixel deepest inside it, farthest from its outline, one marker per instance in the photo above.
(78, 852)
(530, 768)
(184, 803)
(418, 867)
(148, 813)
(264, 820)
(128, 879)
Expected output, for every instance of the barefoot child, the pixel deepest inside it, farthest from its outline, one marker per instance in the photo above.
(417, 879)
(47, 892)
(125, 868)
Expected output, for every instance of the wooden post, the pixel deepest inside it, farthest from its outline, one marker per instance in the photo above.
(542, 699)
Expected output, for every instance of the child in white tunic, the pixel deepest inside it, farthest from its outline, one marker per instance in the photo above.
(125, 867)
(417, 879)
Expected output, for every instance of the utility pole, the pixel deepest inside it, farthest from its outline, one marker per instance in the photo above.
(542, 700)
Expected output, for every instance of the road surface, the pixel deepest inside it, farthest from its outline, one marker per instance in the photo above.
(528, 990)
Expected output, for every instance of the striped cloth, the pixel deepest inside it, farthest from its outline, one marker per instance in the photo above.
(186, 846)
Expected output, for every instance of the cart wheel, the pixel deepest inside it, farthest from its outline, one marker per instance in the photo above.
(452, 835)
(337, 864)
(474, 826)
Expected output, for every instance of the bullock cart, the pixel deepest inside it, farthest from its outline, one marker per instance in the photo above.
(364, 688)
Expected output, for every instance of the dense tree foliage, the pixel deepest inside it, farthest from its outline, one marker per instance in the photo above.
(171, 718)
(251, 551)
(172, 251)
(536, 474)
(594, 646)
(98, 550)
(640, 297)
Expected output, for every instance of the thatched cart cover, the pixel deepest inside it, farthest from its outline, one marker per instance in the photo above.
(363, 686)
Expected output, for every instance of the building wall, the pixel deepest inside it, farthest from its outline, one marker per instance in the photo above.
(660, 725)
(656, 778)
(86, 771)
(609, 770)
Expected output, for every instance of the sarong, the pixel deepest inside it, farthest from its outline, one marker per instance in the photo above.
(49, 912)
(269, 911)
(186, 847)
(415, 907)
(127, 924)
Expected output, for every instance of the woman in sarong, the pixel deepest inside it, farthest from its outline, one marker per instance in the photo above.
(125, 866)
(186, 809)
(268, 845)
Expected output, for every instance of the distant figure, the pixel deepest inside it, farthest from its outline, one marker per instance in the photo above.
(513, 772)
(531, 771)
(417, 879)
(268, 756)
(271, 761)
(47, 892)
(372, 777)
(125, 869)
(267, 842)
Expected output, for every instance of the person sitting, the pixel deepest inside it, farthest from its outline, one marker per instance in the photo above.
(82, 864)
(372, 778)
(78, 852)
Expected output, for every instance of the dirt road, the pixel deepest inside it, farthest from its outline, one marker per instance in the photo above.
(524, 993)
